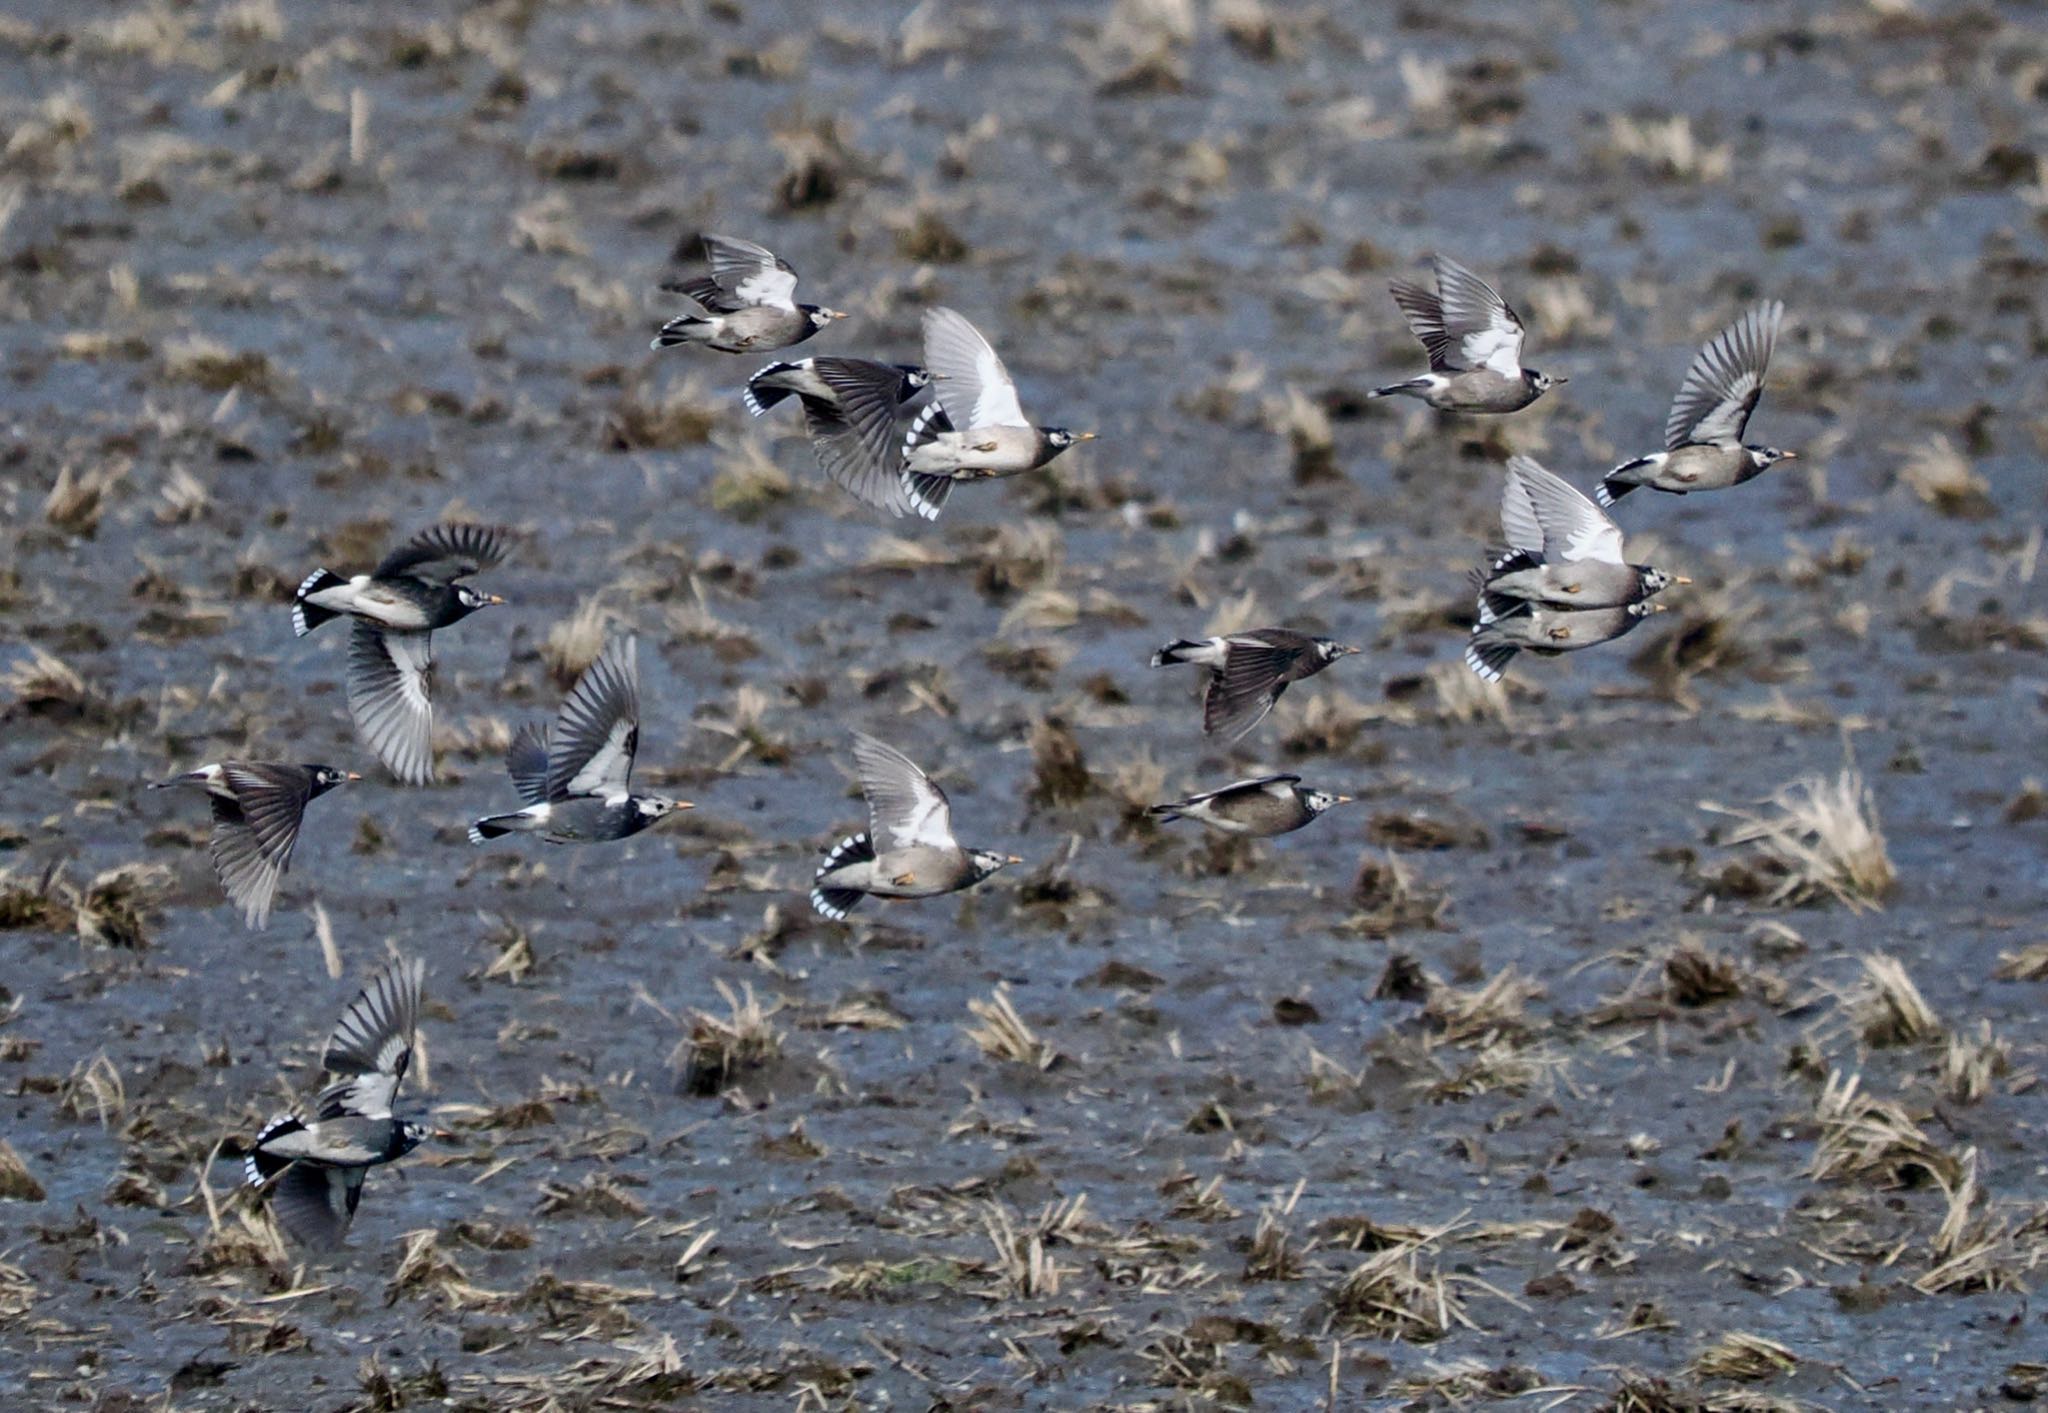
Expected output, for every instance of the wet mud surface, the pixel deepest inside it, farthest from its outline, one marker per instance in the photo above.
(1512, 1081)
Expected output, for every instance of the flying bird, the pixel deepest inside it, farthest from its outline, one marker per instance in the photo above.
(1248, 672)
(315, 1165)
(1547, 631)
(577, 781)
(396, 608)
(908, 850)
(258, 807)
(1703, 446)
(1563, 550)
(974, 429)
(747, 304)
(1258, 808)
(857, 412)
(1474, 341)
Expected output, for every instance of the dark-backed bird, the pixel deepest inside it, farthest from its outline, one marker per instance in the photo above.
(1547, 631)
(1474, 341)
(396, 608)
(577, 781)
(258, 806)
(747, 304)
(857, 412)
(1563, 550)
(1703, 446)
(315, 1165)
(1248, 671)
(908, 850)
(1258, 808)
(975, 428)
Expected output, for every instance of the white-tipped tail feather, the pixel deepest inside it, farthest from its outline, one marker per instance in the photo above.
(836, 903)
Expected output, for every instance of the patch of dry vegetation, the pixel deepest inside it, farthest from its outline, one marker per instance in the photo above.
(1816, 839)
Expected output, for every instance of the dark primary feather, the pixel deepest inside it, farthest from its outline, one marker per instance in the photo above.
(1256, 670)
(375, 1033)
(444, 553)
(1726, 381)
(255, 828)
(598, 729)
(526, 761)
(315, 1203)
(390, 697)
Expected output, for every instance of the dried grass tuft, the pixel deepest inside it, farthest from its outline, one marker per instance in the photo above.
(2029, 963)
(719, 1049)
(1889, 1008)
(1003, 1035)
(1392, 1296)
(78, 498)
(17, 1183)
(1818, 839)
(574, 643)
(1742, 1356)
(1971, 1065)
(1866, 1139)
(1942, 477)
(748, 483)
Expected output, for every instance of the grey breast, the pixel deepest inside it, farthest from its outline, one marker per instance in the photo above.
(1703, 466)
(1484, 390)
(1263, 813)
(932, 871)
(1581, 628)
(1598, 584)
(760, 326)
(1016, 448)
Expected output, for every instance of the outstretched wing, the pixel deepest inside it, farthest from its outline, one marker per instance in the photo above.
(390, 698)
(1726, 381)
(371, 1047)
(973, 386)
(314, 1203)
(1484, 331)
(255, 827)
(905, 809)
(859, 444)
(1255, 669)
(750, 273)
(1270, 784)
(1542, 512)
(444, 553)
(598, 728)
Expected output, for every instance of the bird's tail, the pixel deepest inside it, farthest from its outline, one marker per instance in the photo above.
(1492, 605)
(761, 394)
(497, 826)
(676, 331)
(926, 427)
(1613, 487)
(259, 1167)
(926, 493)
(1166, 814)
(1179, 650)
(1413, 385)
(190, 777)
(836, 903)
(308, 616)
(1489, 654)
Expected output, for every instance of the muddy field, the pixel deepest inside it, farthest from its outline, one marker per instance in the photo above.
(1516, 1080)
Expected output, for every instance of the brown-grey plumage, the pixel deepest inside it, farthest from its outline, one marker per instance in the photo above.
(396, 608)
(1248, 672)
(1703, 446)
(577, 780)
(1474, 341)
(746, 305)
(975, 428)
(1562, 550)
(1258, 808)
(908, 850)
(315, 1165)
(857, 412)
(1548, 631)
(258, 809)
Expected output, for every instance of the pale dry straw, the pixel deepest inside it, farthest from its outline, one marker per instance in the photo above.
(1821, 837)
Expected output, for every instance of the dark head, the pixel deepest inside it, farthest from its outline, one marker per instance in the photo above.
(1059, 438)
(1643, 608)
(1765, 456)
(1316, 801)
(326, 777)
(1541, 383)
(410, 1136)
(1329, 650)
(819, 316)
(468, 600)
(915, 380)
(985, 863)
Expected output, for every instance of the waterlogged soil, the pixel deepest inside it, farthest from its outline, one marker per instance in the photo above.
(1513, 1080)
